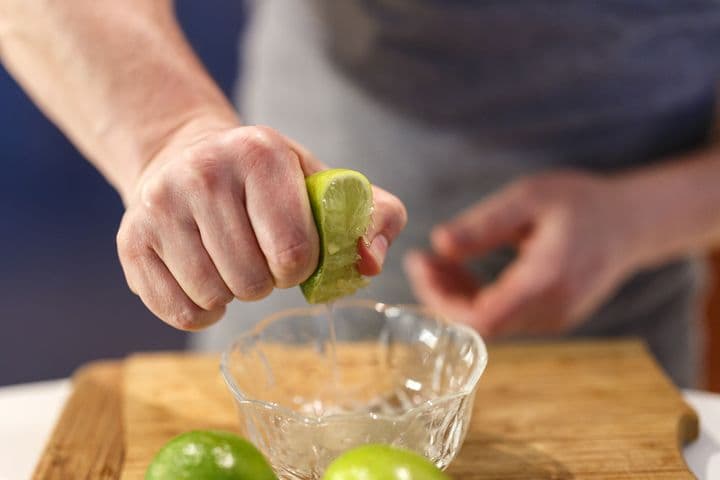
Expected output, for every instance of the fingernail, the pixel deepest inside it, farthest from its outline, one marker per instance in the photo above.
(444, 236)
(378, 248)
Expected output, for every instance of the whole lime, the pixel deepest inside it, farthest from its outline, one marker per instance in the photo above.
(209, 455)
(382, 462)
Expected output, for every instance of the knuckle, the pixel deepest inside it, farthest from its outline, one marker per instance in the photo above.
(204, 172)
(251, 291)
(156, 194)
(266, 131)
(260, 143)
(402, 213)
(185, 318)
(291, 263)
(393, 216)
(130, 241)
(216, 299)
(398, 215)
(209, 290)
(124, 240)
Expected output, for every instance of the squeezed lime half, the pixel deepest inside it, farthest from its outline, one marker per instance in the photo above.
(341, 202)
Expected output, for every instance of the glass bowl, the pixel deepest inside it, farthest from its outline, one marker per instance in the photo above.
(310, 383)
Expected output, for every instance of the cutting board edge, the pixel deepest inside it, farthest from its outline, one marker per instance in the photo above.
(688, 424)
(104, 379)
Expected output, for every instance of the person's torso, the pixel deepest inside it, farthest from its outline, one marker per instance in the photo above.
(599, 83)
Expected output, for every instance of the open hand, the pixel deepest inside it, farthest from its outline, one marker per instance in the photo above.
(568, 230)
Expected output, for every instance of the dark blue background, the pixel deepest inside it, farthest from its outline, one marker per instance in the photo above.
(63, 298)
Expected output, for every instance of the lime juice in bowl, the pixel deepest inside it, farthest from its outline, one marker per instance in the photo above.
(404, 377)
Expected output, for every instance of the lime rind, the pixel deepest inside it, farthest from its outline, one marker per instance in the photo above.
(341, 202)
(209, 455)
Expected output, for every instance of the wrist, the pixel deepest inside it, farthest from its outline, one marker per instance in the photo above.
(651, 217)
(169, 141)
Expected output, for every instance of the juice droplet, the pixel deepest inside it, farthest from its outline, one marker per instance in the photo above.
(332, 355)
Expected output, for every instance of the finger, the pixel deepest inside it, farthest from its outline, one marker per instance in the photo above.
(441, 285)
(524, 298)
(152, 281)
(279, 211)
(495, 222)
(181, 249)
(309, 163)
(229, 239)
(388, 219)
(499, 312)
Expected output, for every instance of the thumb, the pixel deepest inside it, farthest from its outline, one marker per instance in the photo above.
(500, 220)
(388, 219)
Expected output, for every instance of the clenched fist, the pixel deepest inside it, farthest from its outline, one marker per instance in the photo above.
(223, 213)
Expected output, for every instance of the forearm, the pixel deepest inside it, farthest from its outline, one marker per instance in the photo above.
(117, 77)
(673, 208)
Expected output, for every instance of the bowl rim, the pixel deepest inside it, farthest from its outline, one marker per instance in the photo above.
(467, 390)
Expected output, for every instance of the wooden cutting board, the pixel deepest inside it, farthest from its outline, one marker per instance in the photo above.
(580, 410)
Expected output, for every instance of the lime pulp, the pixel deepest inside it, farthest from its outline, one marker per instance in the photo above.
(341, 202)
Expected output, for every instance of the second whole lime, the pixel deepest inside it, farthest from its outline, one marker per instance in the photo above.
(382, 462)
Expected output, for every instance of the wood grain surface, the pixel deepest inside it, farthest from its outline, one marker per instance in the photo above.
(580, 410)
(576, 411)
(166, 395)
(87, 442)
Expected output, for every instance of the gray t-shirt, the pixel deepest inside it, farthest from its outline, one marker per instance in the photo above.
(443, 101)
(592, 84)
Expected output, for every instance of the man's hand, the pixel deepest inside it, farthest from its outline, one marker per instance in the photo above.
(214, 211)
(224, 214)
(573, 251)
